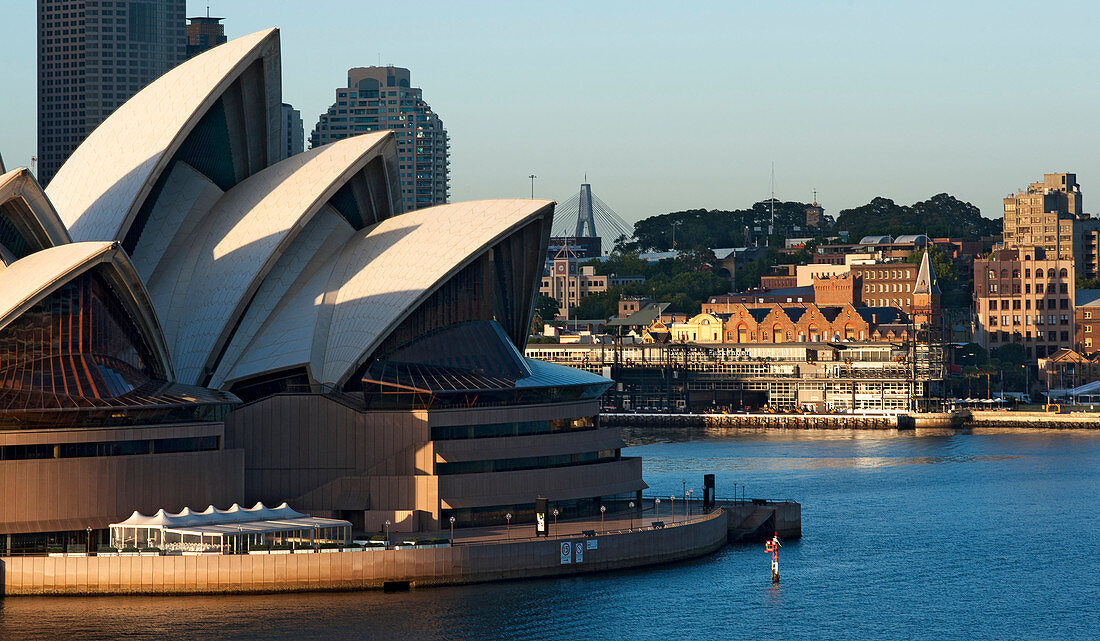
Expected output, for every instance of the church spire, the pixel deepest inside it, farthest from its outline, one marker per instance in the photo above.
(926, 278)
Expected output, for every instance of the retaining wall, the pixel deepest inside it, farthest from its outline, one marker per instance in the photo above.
(359, 570)
(1073, 420)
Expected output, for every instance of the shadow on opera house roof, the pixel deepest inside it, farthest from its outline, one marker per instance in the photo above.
(178, 264)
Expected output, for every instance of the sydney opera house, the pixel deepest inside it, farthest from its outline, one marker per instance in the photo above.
(189, 318)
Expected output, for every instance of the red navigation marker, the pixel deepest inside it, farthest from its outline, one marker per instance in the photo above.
(773, 546)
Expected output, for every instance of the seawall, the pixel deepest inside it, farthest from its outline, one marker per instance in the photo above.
(467, 563)
(776, 420)
(1073, 420)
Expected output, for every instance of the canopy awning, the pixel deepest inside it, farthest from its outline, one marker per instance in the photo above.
(256, 519)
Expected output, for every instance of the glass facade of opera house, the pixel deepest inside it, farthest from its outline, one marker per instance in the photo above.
(187, 318)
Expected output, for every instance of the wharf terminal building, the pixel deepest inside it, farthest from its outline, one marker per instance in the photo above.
(187, 318)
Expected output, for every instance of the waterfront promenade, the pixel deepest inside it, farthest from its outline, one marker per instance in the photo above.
(478, 555)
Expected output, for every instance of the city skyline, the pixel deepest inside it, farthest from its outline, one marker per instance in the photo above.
(854, 101)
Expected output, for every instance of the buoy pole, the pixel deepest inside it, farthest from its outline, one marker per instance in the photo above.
(773, 546)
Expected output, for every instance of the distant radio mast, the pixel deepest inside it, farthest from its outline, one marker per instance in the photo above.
(771, 225)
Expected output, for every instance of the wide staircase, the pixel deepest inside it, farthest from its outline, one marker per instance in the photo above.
(758, 525)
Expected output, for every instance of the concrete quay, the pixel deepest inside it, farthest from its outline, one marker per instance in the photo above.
(479, 555)
(960, 419)
(1048, 420)
(878, 421)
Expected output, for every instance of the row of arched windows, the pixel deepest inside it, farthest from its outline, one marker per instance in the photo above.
(1039, 273)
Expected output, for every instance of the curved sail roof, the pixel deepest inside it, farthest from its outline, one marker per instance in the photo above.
(26, 206)
(240, 240)
(100, 188)
(343, 307)
(29, 280)
(382, 276)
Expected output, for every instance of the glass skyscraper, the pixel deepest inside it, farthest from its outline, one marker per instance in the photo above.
(92, 56)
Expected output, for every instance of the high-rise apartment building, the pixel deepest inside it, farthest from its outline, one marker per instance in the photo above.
(1043, 215)
(92, 56)
(294, 135)
(1024, 295)
(204, 32)
(382, 98)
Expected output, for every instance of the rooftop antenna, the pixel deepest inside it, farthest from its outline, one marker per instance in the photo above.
(771, 225)
(815, 198)
(207, 11)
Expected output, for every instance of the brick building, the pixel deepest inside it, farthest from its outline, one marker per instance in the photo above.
(835, 290)
(1022, 296)
(1086, 313)
(795, 324)
(885, 284)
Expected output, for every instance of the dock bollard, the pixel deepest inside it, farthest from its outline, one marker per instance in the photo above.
(773, 546)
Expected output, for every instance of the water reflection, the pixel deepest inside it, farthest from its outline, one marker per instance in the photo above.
(656, 464)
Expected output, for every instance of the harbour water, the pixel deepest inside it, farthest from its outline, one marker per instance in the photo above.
(922, 534)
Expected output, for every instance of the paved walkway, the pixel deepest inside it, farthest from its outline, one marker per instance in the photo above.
(613, 522)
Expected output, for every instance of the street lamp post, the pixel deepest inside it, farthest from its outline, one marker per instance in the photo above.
(673, 504)
(508, 527)
(602, 510)
(239, 531)
(387, 531)
(89, 540)
(688, 501)
(657, 508)
(555, 519)
(631, 506)
(452, 530)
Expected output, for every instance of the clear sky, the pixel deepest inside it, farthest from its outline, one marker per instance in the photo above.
(672, 106)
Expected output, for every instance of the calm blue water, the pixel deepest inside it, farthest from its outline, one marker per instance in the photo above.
(933, 535)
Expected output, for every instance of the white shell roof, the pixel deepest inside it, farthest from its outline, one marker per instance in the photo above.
(100, 187)
(246, 232)
(383, 275)
(30, 279)
(340, 310)
(294, 287)
(20, 184)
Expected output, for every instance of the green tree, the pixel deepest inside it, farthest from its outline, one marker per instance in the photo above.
(1086, 283)
(940, 215)
(623, 263)
(546, 307)
(947, 271)
(598, 306)
(1010, 362)
(971, 355)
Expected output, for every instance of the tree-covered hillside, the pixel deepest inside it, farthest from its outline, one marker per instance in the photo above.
(939, 216)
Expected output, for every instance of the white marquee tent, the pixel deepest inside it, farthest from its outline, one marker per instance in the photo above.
(226, 530)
